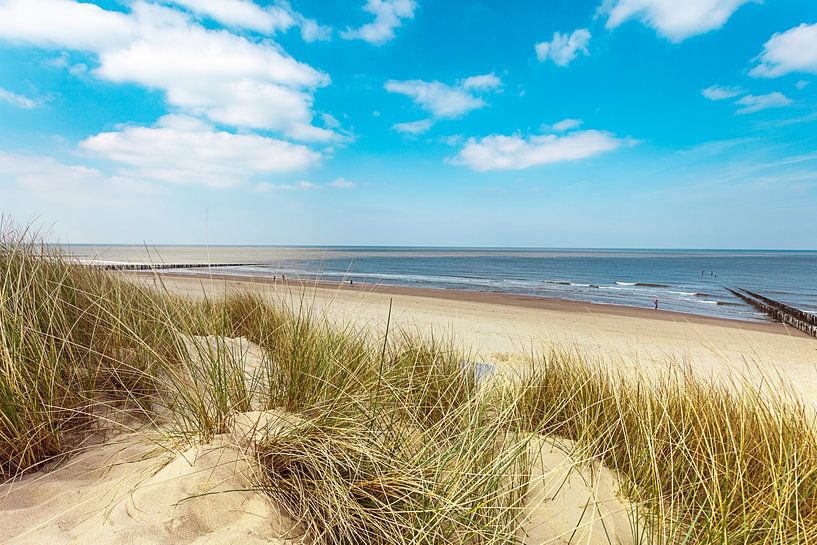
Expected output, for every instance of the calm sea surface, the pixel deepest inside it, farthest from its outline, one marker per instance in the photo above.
(692, 281)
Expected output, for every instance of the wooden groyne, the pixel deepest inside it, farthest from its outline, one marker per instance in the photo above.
(161, 266)
(781, 312)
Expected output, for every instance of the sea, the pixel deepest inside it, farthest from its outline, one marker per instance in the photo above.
(690, 281)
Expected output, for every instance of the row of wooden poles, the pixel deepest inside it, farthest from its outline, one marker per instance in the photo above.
(781, 312)
(162, 266)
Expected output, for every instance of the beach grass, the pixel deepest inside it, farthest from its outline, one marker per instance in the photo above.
(395, 439)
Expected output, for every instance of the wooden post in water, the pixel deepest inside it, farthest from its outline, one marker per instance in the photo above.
(781, 312)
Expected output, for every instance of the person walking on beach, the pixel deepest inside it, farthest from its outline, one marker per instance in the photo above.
(656, 303)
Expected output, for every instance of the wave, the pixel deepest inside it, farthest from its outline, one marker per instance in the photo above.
(644, 284)
(574, 284)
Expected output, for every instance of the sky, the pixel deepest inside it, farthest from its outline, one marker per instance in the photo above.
(569, 123)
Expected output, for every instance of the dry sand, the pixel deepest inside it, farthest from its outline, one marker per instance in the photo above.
(133, 490)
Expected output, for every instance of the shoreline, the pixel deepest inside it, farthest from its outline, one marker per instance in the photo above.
(492, 298)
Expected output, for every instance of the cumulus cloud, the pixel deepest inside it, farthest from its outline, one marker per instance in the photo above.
(717, 92)
(445, 101)
(388, 16)
(19, 101)
(227, 78)
(65, 24)
(247, 14)
(182, 149)
(483, 82)
(672, 19)
(342, 183)
(792, 51)
(303, 185)
(413, 127)
(311, 31)
(564, 48)
(498, 152)
(49, 178)
(566, 125)
(755, 103)
(242, 14)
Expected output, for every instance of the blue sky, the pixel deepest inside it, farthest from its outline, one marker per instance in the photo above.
(604, 123)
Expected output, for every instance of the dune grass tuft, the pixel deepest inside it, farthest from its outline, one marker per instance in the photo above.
(711, 463)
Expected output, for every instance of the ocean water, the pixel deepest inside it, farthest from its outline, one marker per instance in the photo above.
(691, 281)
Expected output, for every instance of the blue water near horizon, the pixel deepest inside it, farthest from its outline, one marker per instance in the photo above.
(602, 276)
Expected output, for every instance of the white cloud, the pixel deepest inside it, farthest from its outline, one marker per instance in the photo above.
(247, 14)
(64, 23)
(45, 177)
(498, 152)
(182, 149)
(311, 31)
(673, 19)
(342, 183)
(755, 103)
(802, 84)
(564, 48)
(452, 140)
(483, 82)
(717, 92)
(63, 61)
(242, 14)
(566, 125)
(445, 101)
(388, 15)
(792, 51)
(303, 185)
(413, 127)
(18, 100)
(228, 78)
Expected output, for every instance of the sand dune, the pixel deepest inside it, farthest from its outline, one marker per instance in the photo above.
(130, 490)
(139, 488)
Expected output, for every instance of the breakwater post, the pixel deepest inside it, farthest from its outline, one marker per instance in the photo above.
(781, 312)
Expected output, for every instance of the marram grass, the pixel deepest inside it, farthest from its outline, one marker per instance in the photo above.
(386, 441)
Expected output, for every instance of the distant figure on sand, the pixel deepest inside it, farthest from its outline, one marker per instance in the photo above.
(656, 303)
(351, 282)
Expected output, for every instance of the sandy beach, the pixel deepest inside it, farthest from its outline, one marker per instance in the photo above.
(503, 329)
(136, 483)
